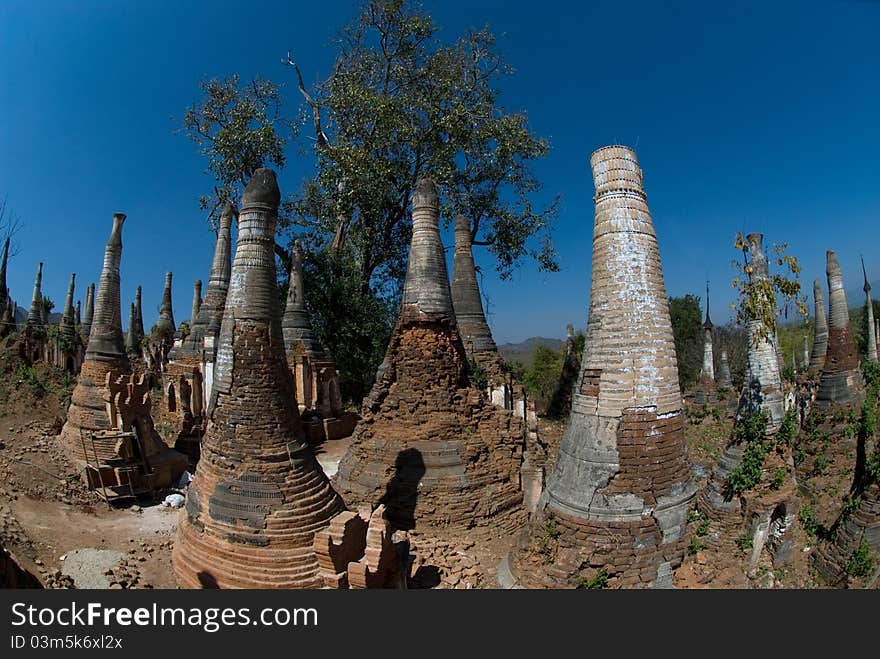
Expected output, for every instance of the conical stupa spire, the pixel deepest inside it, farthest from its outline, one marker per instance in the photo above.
(211, 309)
(35, 314)
(4, 291)
(254, 505)
(622, 459)
(89, 312)
(139, 321)
(764, 379)
(77, 315)
(295, 324)
(197, 301)
(67, 328)
(105, 338)
(841, 380)
(761, 393)
(132, 343)
(7, 318)
(466, 300)
(166, 312)
(820, 332)
(708, 354)
(419, 462)
(870, 337)
(426, 287)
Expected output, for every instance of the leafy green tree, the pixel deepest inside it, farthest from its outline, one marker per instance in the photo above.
(238, 128)
(770, 299)
(542, 377)
(687, 330)
(400, 104)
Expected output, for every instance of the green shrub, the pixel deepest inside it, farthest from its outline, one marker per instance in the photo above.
(597, 582)
(807, 518)
(861, 562)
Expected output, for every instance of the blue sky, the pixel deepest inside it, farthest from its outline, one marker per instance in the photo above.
(745, 116)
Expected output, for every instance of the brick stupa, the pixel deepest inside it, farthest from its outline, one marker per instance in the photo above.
(820, 330)
(315, 378)
(105, 355)
(766, 514)
(618, 496)
(841, 379)
(429, 445)
(259, 496)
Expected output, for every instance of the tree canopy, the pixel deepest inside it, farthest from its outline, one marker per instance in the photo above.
(400, 104)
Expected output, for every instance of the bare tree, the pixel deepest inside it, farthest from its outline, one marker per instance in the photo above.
(10, 224)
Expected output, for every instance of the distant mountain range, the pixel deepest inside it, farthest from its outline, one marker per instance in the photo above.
(524, 351)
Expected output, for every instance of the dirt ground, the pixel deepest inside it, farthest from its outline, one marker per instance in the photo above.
(48, 516)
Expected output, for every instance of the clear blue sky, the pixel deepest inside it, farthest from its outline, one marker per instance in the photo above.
(746, 116)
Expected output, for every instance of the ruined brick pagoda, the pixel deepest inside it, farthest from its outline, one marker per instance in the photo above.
(618, 497)
(106, 401)
(765, 514)
(820, 330)
(314, 372)
(259, 496)
(430, 446)
(841, 379)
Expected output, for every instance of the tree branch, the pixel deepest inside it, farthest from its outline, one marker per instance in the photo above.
(323, 141)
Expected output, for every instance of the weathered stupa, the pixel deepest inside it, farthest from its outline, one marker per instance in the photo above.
(870, 336)
(35, 313)
(105, 355)
(4, 291)
(820, 331)
(163, 334)
(67, 349)
(706, 392)
(210, 315)
(259, 496)
(841, 381)
(88, 314)
(708, 354)
(466, 300)
(139, 316)
(724, 380)
(132, 344)
(766, 515)
(429, 445)
(315, 379)
(618, 496)
(196, 303)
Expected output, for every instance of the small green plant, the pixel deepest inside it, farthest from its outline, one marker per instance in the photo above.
(694, 546)
(751, 431)
(798, 454)
(850, 506)
(694, 514)
(778, 478)
(703, 528)
(787, 429)
(861, 562)
(744, 542)
(807, 518)
(28, 375)
(545, 542)
(820, 464)
(478, 375)
(600, 580)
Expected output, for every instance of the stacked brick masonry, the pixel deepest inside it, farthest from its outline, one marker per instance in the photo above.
(429, 445)
(252, 513)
